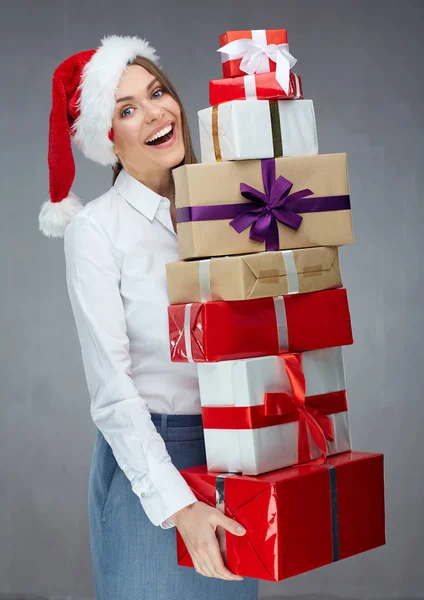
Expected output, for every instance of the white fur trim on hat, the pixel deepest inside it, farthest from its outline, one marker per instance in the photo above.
(54, 217)
(100, 79)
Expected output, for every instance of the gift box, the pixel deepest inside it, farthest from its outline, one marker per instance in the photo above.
(256, 49)
(241, 207)
(267, 413)
(263, 86)
(215, 331)
(248, 276)
(296, 519)
(242, 130)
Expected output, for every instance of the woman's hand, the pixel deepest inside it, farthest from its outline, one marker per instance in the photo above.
(197, 524)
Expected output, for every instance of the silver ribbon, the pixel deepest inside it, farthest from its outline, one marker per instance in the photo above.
(220, 505)
(291, 272)
(187, 332)
(205, 280)
(281, 318)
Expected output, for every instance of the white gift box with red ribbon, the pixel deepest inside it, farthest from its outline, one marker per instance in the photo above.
(256, 420)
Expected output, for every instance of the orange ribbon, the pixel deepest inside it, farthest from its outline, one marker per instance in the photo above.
(215, 134)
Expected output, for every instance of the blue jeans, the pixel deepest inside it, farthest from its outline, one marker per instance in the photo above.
(133, 559)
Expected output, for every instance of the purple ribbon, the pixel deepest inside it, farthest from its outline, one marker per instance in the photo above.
(276, 204)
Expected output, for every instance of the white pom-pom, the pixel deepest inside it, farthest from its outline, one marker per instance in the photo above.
(54, 217)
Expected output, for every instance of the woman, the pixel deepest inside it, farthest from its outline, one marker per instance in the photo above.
(122, 110)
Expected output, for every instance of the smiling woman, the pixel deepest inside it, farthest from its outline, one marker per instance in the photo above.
(147, 105)
(122, 110)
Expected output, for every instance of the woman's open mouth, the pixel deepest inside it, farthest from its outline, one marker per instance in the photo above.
(163, 138)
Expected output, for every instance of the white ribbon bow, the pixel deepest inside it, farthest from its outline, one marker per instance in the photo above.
(252, 54)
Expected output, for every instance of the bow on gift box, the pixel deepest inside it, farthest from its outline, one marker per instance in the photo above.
(281, 403)
(275, 204)
(253, 54)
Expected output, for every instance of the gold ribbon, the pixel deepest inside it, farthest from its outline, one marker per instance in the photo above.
(215, 136)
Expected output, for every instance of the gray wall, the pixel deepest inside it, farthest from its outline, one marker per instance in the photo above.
(360, 61)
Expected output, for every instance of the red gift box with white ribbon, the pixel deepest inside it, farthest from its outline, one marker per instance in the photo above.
(256, 51)
(215, 331)
(263, 86)
(267, 413)
(296, 519)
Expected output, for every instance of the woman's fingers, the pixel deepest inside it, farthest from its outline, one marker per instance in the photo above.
(216, 563)
(225, 522)
(198, 567)
(208, 561)
(198, 524)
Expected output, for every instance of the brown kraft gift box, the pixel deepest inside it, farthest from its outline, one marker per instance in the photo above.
(249, 276)
(218, 184)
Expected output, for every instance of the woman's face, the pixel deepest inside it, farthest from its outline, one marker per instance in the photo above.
(150, 111)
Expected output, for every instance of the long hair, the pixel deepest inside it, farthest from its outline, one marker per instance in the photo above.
(154, 69)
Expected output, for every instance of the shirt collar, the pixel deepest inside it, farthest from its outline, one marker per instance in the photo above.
(138, 195)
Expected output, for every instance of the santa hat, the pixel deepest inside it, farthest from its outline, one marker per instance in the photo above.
(83, 102)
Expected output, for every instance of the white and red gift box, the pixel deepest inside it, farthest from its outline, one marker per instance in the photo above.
(263, 86)
(251, 44)
(267, 413)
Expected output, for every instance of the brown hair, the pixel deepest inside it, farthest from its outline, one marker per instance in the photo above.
(154, 69)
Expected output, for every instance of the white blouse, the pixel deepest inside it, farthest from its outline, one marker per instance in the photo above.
(116, 249)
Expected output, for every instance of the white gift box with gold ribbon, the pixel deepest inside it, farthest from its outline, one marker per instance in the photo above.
(241, 130)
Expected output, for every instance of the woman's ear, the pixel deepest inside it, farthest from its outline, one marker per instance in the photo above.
(111, 136)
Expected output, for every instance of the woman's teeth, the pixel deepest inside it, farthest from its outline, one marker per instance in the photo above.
(159, 134)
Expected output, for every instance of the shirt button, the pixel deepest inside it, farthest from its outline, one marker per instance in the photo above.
(142, 494)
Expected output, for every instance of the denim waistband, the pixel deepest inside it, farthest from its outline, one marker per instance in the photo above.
(179, 428)
(177, 420)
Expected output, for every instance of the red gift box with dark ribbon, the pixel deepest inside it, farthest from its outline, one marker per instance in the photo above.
(263, 86)
(215, 331)
(254, 51)
(296, 519)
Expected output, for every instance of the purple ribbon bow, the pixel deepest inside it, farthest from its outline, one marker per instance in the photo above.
(275, 204)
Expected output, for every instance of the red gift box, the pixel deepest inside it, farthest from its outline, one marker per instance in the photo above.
(215, 331)
(263, 86)
(264, 37)
(298, 518)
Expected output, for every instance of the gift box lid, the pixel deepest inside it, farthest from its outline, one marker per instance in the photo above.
(273, 36)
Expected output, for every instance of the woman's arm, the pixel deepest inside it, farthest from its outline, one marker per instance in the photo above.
(93, 280)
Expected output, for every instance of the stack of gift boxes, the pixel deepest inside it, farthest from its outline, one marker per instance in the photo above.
(257, 301)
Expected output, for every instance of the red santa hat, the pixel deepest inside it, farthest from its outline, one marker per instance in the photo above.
(83, 101)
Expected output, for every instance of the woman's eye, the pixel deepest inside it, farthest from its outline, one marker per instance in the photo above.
(124, 111)
(158, 91)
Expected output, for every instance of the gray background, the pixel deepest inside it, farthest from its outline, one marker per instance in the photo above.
(360, 62)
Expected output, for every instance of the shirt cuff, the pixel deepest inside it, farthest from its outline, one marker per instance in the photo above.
(167, 493)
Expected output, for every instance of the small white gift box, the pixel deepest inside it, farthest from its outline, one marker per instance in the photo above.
(240, 130)
(255, 419)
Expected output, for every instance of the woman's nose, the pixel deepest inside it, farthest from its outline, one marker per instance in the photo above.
(152, 112)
